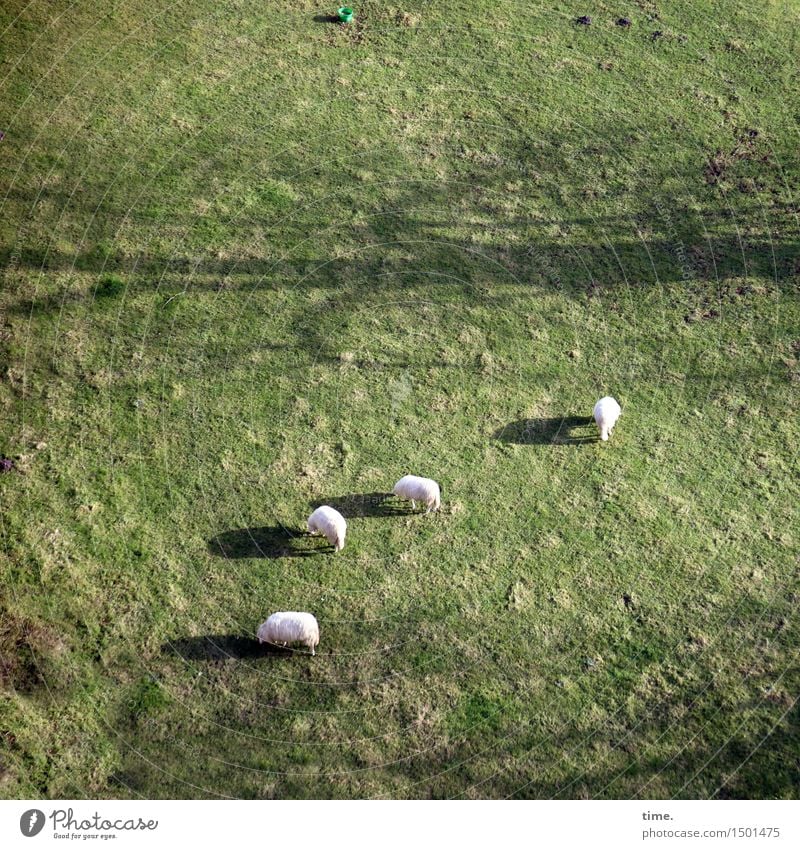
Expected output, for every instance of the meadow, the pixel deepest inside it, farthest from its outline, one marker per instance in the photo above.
(254, 261)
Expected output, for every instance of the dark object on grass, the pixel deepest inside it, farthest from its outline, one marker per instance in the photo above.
(6, 465)
(623, 22)
(558, 430)
(585, 20)
(363, 505)
(2, 135)
(219, 648)
(270, 542)
(657, 34)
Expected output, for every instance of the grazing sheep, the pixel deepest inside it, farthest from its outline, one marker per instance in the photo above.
(330, 523)
(290, 627)
(419, 489)
(606, 413)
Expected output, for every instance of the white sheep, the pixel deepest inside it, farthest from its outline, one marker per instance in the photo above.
(330, 523)
(419, 489)
(290, 627)
(606, 413)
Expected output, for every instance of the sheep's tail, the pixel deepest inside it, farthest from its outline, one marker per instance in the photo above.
(437, 502)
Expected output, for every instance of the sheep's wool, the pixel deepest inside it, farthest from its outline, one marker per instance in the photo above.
(330, 523)
(419, 489)
(290, 627)
(606, 413)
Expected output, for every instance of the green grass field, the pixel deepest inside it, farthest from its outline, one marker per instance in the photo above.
(254, 261)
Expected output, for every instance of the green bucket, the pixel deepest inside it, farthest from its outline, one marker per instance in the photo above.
(345, 14)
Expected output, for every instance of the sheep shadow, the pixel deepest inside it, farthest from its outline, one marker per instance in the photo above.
(216, 647)
(364, 505)
(272, 542)
(552, 431)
